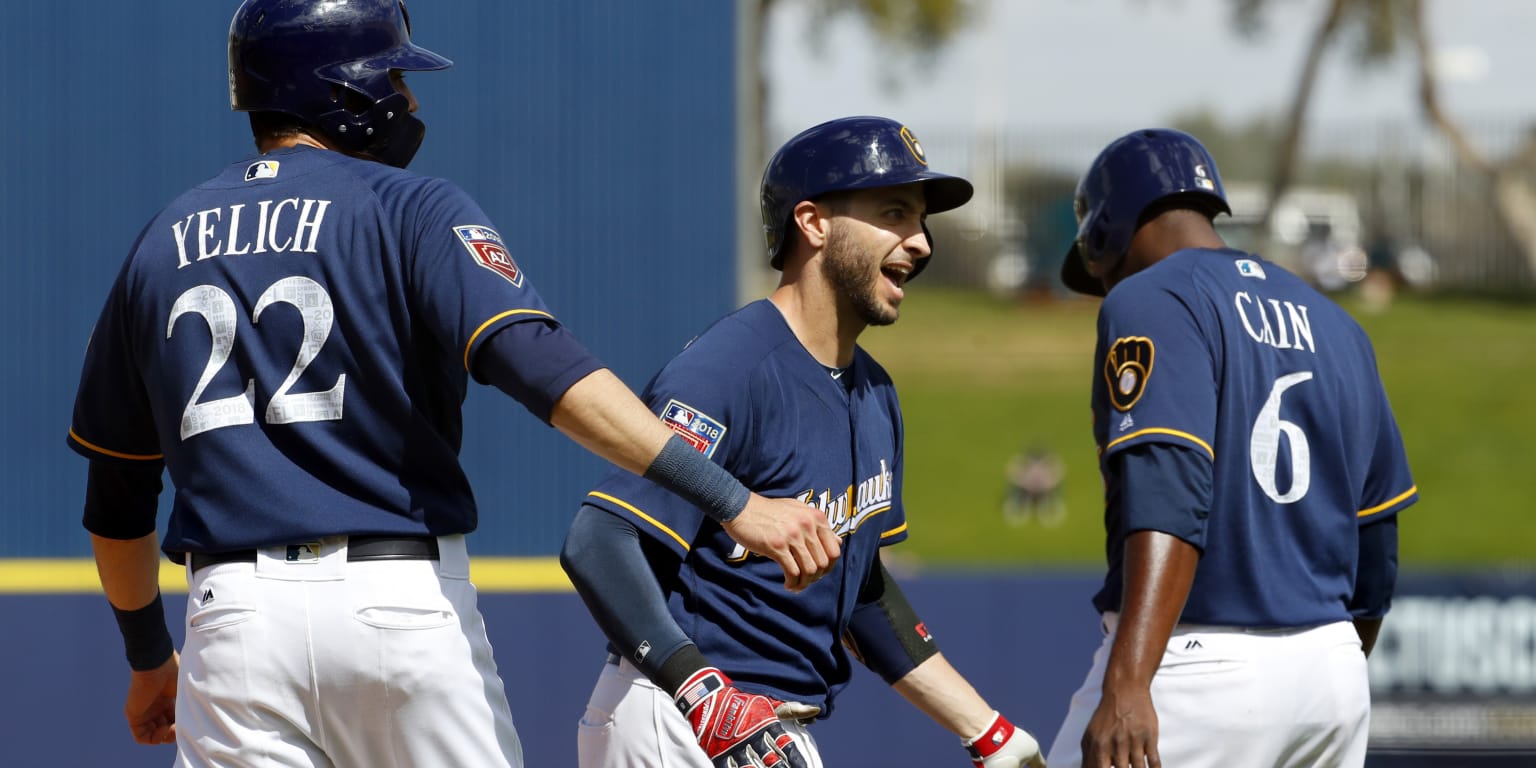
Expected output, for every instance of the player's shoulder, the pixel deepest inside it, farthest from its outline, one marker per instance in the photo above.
(739, 346)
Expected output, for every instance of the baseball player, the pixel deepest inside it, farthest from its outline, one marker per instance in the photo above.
(711, 665)
(292, 339)
(1253, 474)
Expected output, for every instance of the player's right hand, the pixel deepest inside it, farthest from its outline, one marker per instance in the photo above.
(151, 704)
(1005, 745)
(736, 729)
(790, 533)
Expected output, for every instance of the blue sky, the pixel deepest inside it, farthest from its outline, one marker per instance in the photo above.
(1115, 65)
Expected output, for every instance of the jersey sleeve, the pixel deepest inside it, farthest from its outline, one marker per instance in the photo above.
(463, 277)
(1155, 377)
(895, 523)
(709, 411)
(112, 418)
(1389, 486)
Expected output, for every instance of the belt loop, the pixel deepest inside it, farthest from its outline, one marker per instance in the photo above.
(453, 557)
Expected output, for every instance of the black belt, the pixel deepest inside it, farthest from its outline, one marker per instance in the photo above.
(359, 548)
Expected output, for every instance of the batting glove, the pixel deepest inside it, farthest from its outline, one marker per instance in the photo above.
(1002, 745)
(736, 729)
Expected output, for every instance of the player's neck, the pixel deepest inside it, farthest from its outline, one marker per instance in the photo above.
(274, 143)
(818, 321)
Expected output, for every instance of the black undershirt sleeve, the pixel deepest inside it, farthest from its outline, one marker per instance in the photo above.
(1376, 573)
(884, 633)
(121, 499)
(619, 577)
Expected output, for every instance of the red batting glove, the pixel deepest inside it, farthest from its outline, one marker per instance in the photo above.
(733, 727)
(1002, 745)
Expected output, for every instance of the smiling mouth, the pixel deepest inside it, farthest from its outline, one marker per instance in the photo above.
(897, 272)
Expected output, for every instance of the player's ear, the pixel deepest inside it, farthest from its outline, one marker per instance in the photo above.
(813, 222)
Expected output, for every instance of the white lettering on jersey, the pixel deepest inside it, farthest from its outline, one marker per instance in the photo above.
(873, 495)
(217, 234)
(1280, 324)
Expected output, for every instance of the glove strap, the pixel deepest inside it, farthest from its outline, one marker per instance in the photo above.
(991, 739)
(698, 687)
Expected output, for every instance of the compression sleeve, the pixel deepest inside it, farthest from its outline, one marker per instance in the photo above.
(121, 499)
(615, 574)
(1162, 487)
(1376, 574)
(535, 362)
(884, 632)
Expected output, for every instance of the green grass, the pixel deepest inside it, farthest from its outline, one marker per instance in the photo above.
(980, 379)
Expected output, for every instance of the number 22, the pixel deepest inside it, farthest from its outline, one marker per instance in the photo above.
(218, 312)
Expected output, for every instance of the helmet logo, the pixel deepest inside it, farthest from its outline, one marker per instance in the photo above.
(1202, 180)
(912, 145)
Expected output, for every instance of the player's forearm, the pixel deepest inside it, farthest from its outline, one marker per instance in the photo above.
(1159, 569)
(939, 691)
(601, 414)
(129, 569)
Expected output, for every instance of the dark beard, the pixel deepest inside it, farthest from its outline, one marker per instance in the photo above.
(847, 268)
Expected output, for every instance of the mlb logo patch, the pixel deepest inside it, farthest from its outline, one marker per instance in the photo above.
(701, 431)
(490, 252)
(261, 169)
(1250, 268)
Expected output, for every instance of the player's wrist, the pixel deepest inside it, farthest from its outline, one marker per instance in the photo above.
(146, 639)
(991, 738)
(678, 668)
(686, 472)
(698, 688)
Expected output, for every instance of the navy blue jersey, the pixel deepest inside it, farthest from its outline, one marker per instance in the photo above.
(1230, 356)
(292, 339)
(747, 394)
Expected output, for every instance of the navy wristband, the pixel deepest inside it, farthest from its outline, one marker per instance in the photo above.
(145, 636)
(686, 472)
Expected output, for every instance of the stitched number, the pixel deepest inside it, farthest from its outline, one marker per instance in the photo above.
(1264, 446)
(218, 312)
(314, 305)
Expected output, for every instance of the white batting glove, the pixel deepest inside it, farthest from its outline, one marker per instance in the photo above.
(1002, 745)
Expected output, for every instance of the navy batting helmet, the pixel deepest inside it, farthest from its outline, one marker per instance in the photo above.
(328, 64)
(1132, 173)
(847, 154)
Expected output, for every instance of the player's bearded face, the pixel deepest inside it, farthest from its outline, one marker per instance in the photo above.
(853, 268)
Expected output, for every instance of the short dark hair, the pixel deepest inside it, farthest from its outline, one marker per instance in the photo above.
(275, 125)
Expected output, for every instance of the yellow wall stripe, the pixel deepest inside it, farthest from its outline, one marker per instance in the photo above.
(1388, 503)
(488, 323)
(643, 516)
(44, 576)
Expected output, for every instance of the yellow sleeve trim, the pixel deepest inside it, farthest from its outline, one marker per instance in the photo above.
(1162, 431)
(488, 323)
(892, 532)
(114, 454)
(643, 516)
(1388, 502)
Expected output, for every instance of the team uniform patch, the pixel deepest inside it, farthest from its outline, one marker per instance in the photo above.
(702, 432)
(1127, 368)
(1250, 268)
(490, 252)
(261, 169)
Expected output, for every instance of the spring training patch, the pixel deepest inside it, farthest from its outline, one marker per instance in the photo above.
(1126, 369)
(490, 252)
(702, 432)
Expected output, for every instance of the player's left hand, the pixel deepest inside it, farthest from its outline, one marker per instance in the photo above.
(151, 704)
(1122, 731)
(736, 729)
(1004, 745)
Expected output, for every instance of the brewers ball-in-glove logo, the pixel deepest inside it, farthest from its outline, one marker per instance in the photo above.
(1127, 368)
(912, 145)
